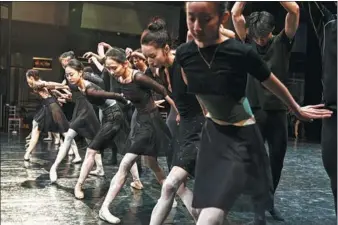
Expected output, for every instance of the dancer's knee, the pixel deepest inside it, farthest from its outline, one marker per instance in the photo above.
(211, 216)
(169, 188)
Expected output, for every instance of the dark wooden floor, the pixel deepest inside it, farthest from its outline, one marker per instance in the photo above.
(28, 198)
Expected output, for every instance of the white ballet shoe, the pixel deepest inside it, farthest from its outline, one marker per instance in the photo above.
(53, 175)
(76, 160)
(48, 139)
(107, 216)
(97, 172)
(136, 184)
(78, 191)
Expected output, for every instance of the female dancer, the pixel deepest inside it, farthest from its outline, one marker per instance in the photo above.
(149, 134)
(155, 43)
(113, 122)
(50, 117)
(232, 153)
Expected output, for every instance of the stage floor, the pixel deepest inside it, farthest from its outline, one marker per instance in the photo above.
(27, 197)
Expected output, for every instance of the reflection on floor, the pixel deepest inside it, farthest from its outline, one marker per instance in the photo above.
(27, 197)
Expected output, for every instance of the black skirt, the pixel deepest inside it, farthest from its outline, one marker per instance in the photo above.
(231, 161)
(50, 117)
(84, 120)
(149, 135)
(114, 129)
(189, 140)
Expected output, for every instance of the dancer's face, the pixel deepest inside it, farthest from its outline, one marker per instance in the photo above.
(30, 81)
(138, 62)
(115, 68)
(64, 62)
(262, 41)
(73, 76)
(157, 57)
(203, 20)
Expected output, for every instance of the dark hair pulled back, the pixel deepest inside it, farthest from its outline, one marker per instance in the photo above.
(156, 34)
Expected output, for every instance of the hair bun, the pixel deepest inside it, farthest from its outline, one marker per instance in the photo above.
(157, 24)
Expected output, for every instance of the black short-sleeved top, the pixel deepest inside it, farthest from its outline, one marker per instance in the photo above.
(276, 54)
(221, 88)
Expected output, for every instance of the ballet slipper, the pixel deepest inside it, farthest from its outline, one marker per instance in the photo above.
(136, 184)
(47, 139)
(107, 216)
(53, 175)
(97, 172)
(78, 191)
(76, 160)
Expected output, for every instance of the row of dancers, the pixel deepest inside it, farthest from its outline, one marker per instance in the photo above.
(212, 132)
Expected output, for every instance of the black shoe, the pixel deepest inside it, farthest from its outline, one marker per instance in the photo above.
(276, 215)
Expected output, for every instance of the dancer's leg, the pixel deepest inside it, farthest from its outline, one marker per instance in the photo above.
(99, 166)
(115, 186)
(329, 152)
(136, 178)
(33, 141)
(151, 163)
(56, 138)
(73, 146)
(173, 182)
(87, 165)
(211, 216)
(69, 138)
(49, 138)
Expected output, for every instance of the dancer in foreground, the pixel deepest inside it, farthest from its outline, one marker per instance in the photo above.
(232, 156)
(149, 135)
(155, 41)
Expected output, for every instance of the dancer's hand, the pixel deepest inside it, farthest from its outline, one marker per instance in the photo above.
(311, 112)
(128, 52)
(178, 119)
(159, 102)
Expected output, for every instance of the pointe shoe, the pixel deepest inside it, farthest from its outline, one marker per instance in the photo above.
(53, 175)
(76, 160)
(136, 184)
(78, 191)
(47, 139)
(97, 172)
(107, 216)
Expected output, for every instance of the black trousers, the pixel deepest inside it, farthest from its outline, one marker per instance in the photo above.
(329, 152)
(274, 128)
